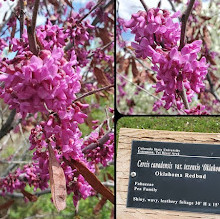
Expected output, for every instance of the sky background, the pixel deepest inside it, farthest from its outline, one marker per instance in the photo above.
(128, 7)
(6, 5)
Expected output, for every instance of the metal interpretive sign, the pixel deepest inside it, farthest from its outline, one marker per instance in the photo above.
(175, 176)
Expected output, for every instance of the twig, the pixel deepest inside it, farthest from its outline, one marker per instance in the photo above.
(144, 5)
(102, 48)
(97, 20)
(4, 143)
(20, 195)
(146, 91)
(96, 6)
(21, 18)
(141, 88)
(172, 5)
(14, 162)
(6, 21)
(22, 134)
(140, 61)
(34, 17)
(7, 127)
(97, 129)
(108, 119)
(100, 142)
(47, 191)
(13, 165)
(184, 97)
(48, 12)
(31, 29)
(93, 92)
(184, 19)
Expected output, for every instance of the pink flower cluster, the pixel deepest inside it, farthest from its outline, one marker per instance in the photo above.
(198, 110)
(63, 134)
(31, 174)
(79, 34)
(153, 29)
(157, 36)
(177, 69)
(50, 35)
(42, 83)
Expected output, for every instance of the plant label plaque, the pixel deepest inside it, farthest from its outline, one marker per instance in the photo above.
(175, 176)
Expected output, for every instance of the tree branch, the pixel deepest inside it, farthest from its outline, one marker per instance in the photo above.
(14, 162)
(101, 48)
(31, 29)
(100, 142)
(20, 195)
(172, 5)
(45, 3)
(146, 91)
(34, 17)
(184, 20)
(47, 191)
(86, 15)
(93, 92)
(144, 5)
(96, 20)
(21, 18)
(7, 127)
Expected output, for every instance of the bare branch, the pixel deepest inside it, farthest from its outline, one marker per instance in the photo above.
(172, 5)
(93, 92)
(31, 29)
(20, 195)
(102, 49)
(48, 12)
(184, 20)
(144, 5)
(21, 18)
(86, 15)
(14, 162)
(47, 191)
(34, 16)
(184, 97)
(100, 142)
(146, 91)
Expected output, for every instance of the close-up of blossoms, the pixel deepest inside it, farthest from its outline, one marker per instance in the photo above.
(169, 59)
